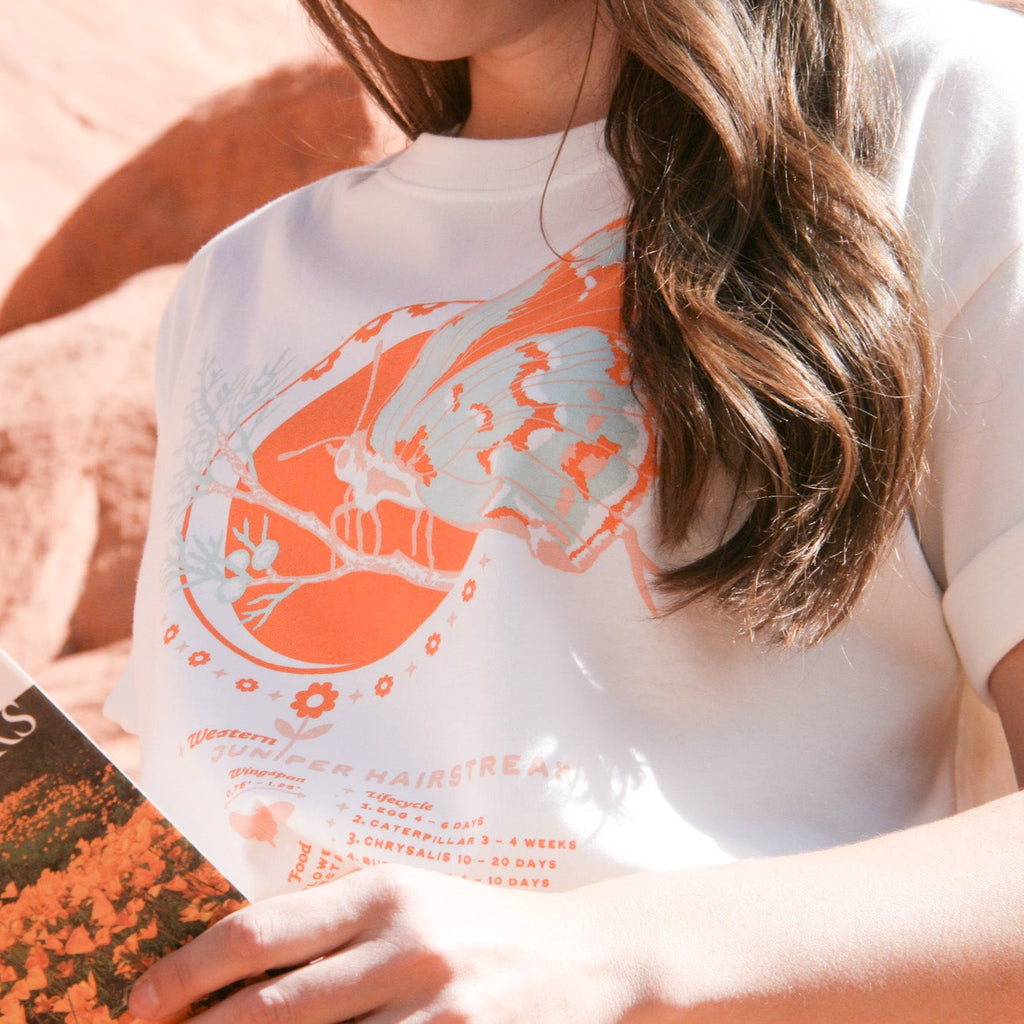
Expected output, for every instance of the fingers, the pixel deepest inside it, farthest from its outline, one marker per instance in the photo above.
(336, 988)
(278, 933)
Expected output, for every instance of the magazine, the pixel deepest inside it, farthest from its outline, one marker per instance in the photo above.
(95, 884)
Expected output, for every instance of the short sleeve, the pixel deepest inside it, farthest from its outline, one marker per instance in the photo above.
(122, 704)
(983, 605)
(959, 174)
(978, 475)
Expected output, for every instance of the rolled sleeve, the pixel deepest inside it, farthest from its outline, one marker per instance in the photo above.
(984, 607)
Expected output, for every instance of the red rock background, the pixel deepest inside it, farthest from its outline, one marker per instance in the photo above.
(133, 132)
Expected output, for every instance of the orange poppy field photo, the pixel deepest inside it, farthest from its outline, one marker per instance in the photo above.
(95, 885)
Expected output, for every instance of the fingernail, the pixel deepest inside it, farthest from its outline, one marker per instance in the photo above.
(143, 1000)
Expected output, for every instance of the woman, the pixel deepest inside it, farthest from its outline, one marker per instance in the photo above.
(546, 507)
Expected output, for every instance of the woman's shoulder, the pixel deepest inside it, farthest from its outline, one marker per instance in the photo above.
(957, 167)
(286, 232)
(294, 213)
(972, 41)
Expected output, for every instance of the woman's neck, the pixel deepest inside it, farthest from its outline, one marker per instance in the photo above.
(543, 86)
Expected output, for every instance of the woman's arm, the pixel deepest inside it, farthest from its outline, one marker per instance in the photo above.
(1007, 686)
(924, 925)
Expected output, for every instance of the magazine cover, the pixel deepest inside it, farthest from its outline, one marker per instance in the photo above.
(95, 884)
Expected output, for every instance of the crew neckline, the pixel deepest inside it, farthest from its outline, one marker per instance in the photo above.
(452, 162)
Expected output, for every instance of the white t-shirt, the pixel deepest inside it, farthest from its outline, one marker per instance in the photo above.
(395, 603)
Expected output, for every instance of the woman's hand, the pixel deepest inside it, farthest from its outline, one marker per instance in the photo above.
(391, 943)
(918, 926)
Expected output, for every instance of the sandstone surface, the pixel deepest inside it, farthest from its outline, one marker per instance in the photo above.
(85, 86)
(76, 445)
(227, 157)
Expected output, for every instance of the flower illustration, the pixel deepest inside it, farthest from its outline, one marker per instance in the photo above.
(314, 701)
(433, 643)
(469, 590)
(171, 632)
(199, 658)
(247, 685)
(384, 684)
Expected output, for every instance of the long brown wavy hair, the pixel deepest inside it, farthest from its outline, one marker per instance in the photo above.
(770, 292)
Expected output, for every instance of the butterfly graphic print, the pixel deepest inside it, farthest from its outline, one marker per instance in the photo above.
(335, 516)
